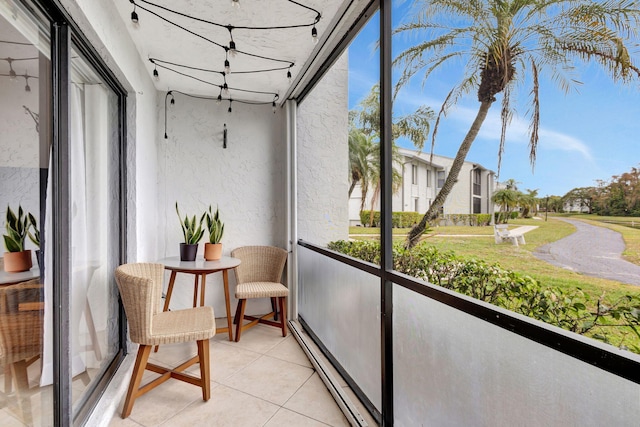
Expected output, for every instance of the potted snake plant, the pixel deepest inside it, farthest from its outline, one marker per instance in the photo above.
(192, 232)
(213, 249)
(16, 258)
(35, 238)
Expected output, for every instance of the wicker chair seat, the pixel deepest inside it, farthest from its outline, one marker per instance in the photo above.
(261, 290)
(192, 324)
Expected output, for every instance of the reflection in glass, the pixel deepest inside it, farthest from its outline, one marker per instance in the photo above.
(25, 141)
(94, 227)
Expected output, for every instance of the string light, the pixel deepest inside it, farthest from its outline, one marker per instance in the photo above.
(235, 4)
(231, 49)
(232, 44)
(155, 73)
(225, 89)
(218, 100)
(134, 15)
(26, 77)
(227, 67)
(159, 62)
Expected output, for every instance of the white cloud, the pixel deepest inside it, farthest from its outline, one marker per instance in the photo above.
(517, 131)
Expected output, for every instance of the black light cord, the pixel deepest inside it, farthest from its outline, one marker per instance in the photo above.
(226, 48)
(218, 99)
(215, 84)
(239, 27)
(265, 70)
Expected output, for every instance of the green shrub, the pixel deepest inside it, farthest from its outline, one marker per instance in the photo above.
(398, 219)
(571, 310)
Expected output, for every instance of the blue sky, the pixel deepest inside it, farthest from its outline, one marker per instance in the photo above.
(590, 134)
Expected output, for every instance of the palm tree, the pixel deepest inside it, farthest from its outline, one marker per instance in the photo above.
(364, 150)
(360, 150)
(507, 198)
(508, 42)
(529, 202)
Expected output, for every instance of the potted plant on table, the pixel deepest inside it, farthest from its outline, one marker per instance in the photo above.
(16, 258)
(193, 233)
(35, 238)
(213, 249)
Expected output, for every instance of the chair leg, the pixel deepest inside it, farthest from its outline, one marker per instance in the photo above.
(274, 308)
(283, 315)
(21, 380)
(236, 317)
(205, 373)
(240, 317)
(136, 378)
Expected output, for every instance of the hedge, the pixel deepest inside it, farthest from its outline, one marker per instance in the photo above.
(409, 219)
(570, 310)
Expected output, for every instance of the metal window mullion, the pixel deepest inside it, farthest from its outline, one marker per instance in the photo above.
(386, 173)
(61, 227)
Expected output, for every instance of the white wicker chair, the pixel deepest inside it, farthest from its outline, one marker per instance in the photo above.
(258, 276)
(141, 289)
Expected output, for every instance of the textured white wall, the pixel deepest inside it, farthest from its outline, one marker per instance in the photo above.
(106, 31)
(323, 153)
(246, 180)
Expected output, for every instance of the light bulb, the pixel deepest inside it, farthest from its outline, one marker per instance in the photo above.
(27, 88)
(134, 17)
(235, 3)
(314, 34)
(173, 101)
(229, 110)
(165, 136)
(219, 100)
(273, 106)
(232, 49)
(227, 67)
(289, 75)
(225, 89)
(156, 75)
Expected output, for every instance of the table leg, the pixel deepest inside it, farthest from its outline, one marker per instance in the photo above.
(225, 279)
(167, 298)
(203, 281)
(195, 290)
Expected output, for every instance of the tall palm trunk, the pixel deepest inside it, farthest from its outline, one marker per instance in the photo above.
(352, 186)
(414, 235)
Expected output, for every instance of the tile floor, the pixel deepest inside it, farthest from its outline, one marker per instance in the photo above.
(264, 380)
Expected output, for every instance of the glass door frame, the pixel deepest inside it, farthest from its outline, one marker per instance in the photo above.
(63, 32)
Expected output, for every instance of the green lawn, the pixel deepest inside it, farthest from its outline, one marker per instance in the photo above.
(478, 242)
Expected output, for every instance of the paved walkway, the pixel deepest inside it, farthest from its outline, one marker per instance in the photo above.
(593, 251)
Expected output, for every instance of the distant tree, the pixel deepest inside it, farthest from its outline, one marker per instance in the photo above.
(505, 44)
(582, 197)
(507, 198)
(528, 202)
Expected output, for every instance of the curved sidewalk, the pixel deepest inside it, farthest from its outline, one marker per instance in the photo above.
(593, 251)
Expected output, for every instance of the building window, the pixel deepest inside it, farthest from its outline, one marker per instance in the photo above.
(414, 174)
(441, 178)
(428, 178)
(477, 205)
(415, 205)
(477, 176)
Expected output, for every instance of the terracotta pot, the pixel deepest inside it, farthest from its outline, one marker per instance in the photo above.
(188, 252)
(212, 251)
(15, 262)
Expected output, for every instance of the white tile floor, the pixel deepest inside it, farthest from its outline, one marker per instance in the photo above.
(264, 380)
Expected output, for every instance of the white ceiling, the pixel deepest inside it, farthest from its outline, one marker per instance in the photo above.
(156, 38)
